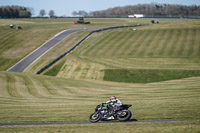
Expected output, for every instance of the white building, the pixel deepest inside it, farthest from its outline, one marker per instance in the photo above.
(136, 16)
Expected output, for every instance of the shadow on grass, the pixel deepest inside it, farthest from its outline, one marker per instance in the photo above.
(117, 121)
(133, 120)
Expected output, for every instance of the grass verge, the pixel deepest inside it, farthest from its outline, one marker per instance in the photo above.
(32, 98)
(161, 127)
(54, 70)
(147, 76)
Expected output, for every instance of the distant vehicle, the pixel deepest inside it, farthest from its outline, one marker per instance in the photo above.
(103, 112)
(81, 21)
(154, 22)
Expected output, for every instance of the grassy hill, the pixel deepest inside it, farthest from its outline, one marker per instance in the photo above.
(31, 98)
(170, 47)
(16, 44)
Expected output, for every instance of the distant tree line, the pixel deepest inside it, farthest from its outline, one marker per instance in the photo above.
(43, 13)
(81, 13)
(150, 10)
(15, 12)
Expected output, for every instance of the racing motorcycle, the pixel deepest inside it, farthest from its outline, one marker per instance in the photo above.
(105, 112)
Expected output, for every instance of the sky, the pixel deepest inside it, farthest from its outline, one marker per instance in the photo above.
(66, 7)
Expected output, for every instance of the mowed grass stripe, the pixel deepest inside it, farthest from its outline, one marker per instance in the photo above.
(91, 74)
(5, 36)
(80, 70)
(143, 44)
(86, 69)
(176, 44)
(92, 71)
(194, 43)
(188, 43)
(104, 46)
(115, 44)
(197, 46)
(47, 86)
(130, 43)
(109, 45)
(11, 86)
(125, 42)
(55, 90)
(24, 91)
(3, 88)
(36, 88)
(67, 69)
(103, 40)
(8, 42)
(166, 42)
(73, 68)
(31, 88)
(152, 45)
(173, 44)
(182, 43)
(138, 38)
(77, 70)
(158, 46)
(170, 44)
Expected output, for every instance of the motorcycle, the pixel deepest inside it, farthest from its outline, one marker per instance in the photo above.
(107, 112)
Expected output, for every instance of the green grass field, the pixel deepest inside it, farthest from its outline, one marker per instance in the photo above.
(147, 76)
(151, 47)
(165, 56)
(31, 98)
(166, 127)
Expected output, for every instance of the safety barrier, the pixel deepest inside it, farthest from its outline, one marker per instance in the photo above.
(67, 52)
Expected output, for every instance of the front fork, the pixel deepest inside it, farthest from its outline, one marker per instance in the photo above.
(96, 113)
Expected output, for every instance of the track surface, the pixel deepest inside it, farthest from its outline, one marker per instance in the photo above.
(61, 123)
(36, 54)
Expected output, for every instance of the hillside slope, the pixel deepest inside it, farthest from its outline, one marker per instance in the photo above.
(31, 98)
(170, 46)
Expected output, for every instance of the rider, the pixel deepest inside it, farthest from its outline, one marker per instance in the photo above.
(114, 102)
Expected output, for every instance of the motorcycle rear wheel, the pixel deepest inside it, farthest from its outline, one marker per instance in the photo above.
(124, 116)
(94, 117)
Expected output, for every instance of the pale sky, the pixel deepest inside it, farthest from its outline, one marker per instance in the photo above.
(66, 7)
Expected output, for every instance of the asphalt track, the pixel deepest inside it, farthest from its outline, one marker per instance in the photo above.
(62, 123)
(23, 64)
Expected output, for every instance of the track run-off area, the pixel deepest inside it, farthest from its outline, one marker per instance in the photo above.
(62, 123)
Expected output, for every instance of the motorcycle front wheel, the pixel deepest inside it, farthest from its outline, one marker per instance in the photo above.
(125, 115)
(95, 117)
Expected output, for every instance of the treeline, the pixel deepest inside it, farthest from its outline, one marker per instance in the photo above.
(14, 12)
(150, 10)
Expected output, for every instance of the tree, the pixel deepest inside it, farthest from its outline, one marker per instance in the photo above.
(1, 12)
(42, 13)
(74, 13)
(150, 10)
(80, 13)
(14, 12)
(83, 13)
(51, 13)
(31, 10)
(24, 14)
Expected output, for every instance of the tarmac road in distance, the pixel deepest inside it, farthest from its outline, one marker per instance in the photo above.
(24, 63)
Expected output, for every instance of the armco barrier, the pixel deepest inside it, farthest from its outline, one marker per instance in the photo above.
(67, 52)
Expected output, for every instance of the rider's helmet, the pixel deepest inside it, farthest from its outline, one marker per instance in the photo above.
(113, 98)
